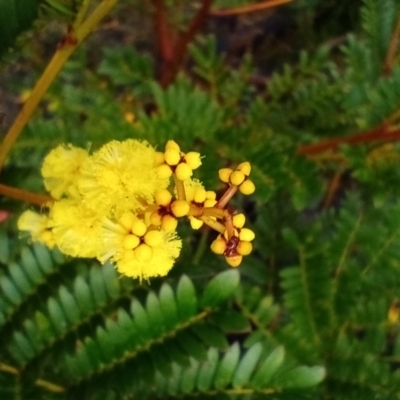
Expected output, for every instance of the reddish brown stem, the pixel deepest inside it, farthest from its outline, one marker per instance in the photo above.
(333, 188)
(173, 54)
(381, 133)
(248, 9)
(23, 195)
(392, 49)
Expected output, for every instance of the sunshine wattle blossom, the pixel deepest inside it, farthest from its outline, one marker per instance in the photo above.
(118, 205)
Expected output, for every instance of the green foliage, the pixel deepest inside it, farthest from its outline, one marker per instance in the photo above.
(306, 314)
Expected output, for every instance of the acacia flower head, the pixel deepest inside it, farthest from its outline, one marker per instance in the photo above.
(61, 170)
(138, 249)
(120, 176)
(37, 225)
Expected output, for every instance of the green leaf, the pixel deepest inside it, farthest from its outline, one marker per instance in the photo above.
(154, 314)
(69, 305)
(247, 365)
(227, 367)
(141, 319)
(220, 288)
(300, 377)
(98, 286)
(57, 315)
(211, 336)
(19, 278)
(83, 295)
(207, 370)
(10, 291)
(186, 299)
(268, 368)
(168, 306)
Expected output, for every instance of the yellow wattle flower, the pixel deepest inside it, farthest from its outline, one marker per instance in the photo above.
(75, 228)
(37, 225)
(61, 170)
(120, 177)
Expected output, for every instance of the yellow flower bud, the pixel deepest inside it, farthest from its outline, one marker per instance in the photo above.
(172, 157)
(244, 248)
(210, 203)
(239, 220)
(171, 144)
(224, 174)
(244, 167)
(180, 208)
(127, 220)
(128, 255)
(211, 195)
(155, 218)
(199, 195)
(234, 261)
(153, 238)
(130, 242)
(158, 158)
(139, 228)
(218, 246)
(164, 171)
(183, 172)
(193, 159)
(246, 235)
(237, 178)
(195, 223)
(247, 187)
(169, 223)
(143, 252)
(163, 197)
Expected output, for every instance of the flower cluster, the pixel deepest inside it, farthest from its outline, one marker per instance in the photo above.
(118, 205)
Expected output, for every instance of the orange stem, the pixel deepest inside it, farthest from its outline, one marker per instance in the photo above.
(23, 195)
(248, 9)
(394, 42)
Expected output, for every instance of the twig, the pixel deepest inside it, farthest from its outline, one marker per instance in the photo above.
(23, 195)
(64, 51)
(381, 133)
(391, 53)
(248, 9)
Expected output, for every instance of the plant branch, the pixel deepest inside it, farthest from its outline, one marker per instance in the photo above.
(248, 9)
(380, 133)
(23, 195)
(64, 51)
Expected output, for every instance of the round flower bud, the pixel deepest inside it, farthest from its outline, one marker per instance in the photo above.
(199, 195)
(153, 238)
(195, 223)
(169, 223)
(193, 159)
(171, 144)
(239, 220)
(183, 172)
(180, 208)
(237, 178)
(159, 158)
(234, 261)
(245, 167)
(163, 197)
(139, 228)
(130, 242)
(211, 195)
(218, 246)
(172, 157)
(210, 203)
(143, 252)
(224, 174)
(155, 218)
(127, 220)
(247, 187)
(164, 171)
(244, 248)
(246, 235)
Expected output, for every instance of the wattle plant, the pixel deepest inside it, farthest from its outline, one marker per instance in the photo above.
(184, 214)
